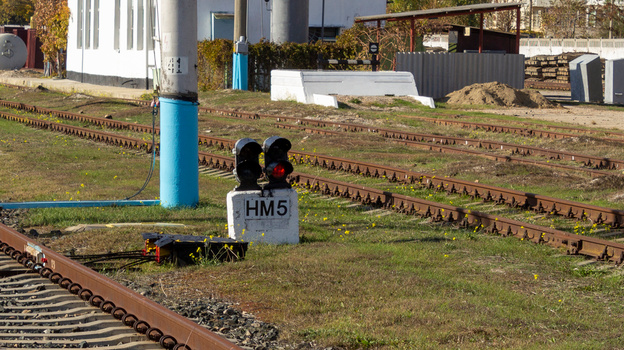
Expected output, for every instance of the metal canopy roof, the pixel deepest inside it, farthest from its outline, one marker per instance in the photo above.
(440, 12)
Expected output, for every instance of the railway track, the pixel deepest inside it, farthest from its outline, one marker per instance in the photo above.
(512, 198)
(49, 301)
(574, 244)
(420, 140)
(514, 149)
(519, 199)
(442, 148)
(518, 130)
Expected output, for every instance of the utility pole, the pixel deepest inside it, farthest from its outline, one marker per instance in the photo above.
(289, 21)
(323, 21)
(179, 173)
(240, 19)
(240, 60)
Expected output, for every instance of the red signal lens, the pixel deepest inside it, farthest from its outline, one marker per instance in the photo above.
(279, 171)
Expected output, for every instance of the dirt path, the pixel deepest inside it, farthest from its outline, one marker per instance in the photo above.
(534, 104)
(586, 115)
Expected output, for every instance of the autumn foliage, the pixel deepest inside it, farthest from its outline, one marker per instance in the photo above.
(51, 20)
(15, 11)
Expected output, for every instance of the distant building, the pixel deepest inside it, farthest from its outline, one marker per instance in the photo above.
(111, 42)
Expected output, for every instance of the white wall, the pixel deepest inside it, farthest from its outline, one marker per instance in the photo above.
(106, 61)
(341, 13)
(338, 13)
(605, 48)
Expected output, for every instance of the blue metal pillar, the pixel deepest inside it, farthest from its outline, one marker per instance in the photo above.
(240, 71)
(179, 172)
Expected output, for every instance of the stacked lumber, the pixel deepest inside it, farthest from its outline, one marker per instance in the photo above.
(550, 68)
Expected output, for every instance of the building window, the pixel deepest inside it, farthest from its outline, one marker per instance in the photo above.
(330, 33)
(80, 19)
(96, 24)
(151, 24)
(117, 27)
(130, 24)
(87, 29)
(222, 25)
(140, 24)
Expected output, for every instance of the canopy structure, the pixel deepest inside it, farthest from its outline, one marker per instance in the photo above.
(480, 9)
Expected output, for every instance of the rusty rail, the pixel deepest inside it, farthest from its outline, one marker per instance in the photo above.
(499, 195)
(517, 130)
(587, 160)
(455, 150)
(132, 309)
(575, 244)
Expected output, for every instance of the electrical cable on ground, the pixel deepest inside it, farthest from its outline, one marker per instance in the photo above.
(155, 105)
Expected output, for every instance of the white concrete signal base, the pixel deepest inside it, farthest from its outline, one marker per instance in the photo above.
(269, 216)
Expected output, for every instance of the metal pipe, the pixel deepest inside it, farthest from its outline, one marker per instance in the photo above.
(290, 21)
(240, 19)
(323, 21)
(480, 32)
(179, 172)
(79, 204)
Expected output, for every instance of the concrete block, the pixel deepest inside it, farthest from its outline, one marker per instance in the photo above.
(308, 86)
(270, 216)
(325, 100)
(586, 79)
(614, 81)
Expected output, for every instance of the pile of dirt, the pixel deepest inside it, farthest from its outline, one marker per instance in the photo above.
(498, 94)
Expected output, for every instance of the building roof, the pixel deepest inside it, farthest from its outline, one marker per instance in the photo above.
(440, 12)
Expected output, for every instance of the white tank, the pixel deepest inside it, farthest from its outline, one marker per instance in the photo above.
(12, 52)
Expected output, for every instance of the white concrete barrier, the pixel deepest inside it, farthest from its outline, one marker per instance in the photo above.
(321, 87)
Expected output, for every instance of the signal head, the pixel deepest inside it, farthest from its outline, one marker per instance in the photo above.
(247, 168)
(277, 167)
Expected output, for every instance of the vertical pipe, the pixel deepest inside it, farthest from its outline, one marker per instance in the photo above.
(179, 173)
(147, 34)
(240, 19)
(290, 21)
(412, 33)
(518, 30)
(323, 21)
(481, 32)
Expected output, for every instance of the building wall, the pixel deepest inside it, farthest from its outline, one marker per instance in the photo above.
(98, 53)
(338, 14)
(112, 47)
(437, 74)
(606, 48)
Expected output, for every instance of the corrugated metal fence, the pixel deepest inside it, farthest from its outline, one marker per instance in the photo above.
(437, 74)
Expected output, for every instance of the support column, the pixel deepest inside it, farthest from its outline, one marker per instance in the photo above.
(412, 33)
(518, 30)
(179, 173)
(240, 19)
(240, 65)
(480, 32)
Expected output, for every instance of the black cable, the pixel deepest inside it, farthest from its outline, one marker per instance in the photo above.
(155, 106)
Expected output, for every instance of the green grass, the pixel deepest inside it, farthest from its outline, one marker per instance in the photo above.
(360, 278)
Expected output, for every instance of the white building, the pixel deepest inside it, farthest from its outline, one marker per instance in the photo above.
(111, 42)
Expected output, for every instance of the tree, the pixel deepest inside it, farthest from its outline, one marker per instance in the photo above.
(566, 19)
(16, 11)
(51, 20)
(412, 5)
(609, 20)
